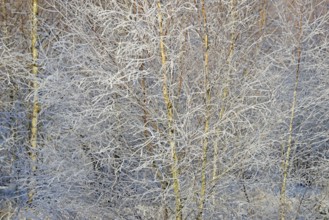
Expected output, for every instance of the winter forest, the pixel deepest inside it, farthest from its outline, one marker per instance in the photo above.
(164, 109)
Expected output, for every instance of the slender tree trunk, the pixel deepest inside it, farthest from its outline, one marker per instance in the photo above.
(206, 123)
(170, 119)
(35, 110)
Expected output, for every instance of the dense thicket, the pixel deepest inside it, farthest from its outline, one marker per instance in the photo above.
(196, 109)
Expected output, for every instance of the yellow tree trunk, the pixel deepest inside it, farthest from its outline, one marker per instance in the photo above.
(34, 128)
(170, 119)
(206, 124)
